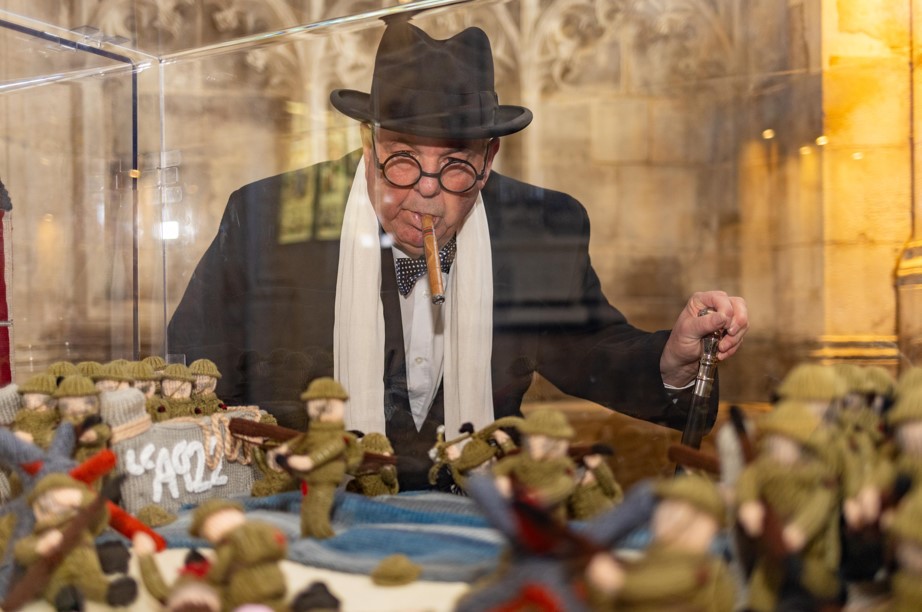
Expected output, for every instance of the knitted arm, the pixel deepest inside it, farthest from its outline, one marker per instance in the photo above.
(607, 483)
(327, 452)
(153, 579)
(218, 573)
(25, 550)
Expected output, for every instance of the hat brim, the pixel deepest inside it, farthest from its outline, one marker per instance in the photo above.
(509, 119)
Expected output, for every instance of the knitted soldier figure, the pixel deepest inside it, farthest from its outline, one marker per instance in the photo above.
(677, 570)
(905, 468)
(55, 500)
(156, 363)
(906, 536)
(319, 457)
(176, 388)
(144, 379)
(374, 479)
(112, 377)
(206, 379)
(791, 480)
(247, 554)
(189, 591)
(78, 399)
(38, 418)
(542, 472)
(817, 387)
(596, 491)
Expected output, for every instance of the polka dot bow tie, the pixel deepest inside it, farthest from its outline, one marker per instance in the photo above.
(409, 270)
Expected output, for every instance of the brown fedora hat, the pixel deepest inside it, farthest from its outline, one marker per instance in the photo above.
(434, 88)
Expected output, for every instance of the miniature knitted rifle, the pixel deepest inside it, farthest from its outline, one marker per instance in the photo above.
(247, 429)
(39, 573)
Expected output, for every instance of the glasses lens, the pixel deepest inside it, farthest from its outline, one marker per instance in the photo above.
(458, 176)
(402, 170)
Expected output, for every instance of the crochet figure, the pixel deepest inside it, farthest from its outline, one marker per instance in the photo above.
(38, 418)
(372, 478)
(543, 470)
(206, 376)
(677, 569)
(78, 404)
(55, 501)
(788, 501)
(176, 388)
(597, 490)
(547, 565)
(319, 457)
(245, 568)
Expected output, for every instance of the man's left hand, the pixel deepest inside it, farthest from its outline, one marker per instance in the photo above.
(679, 362)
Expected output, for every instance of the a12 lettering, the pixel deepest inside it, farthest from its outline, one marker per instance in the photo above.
(185, 463)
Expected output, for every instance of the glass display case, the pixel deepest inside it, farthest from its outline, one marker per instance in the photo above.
(761, 148)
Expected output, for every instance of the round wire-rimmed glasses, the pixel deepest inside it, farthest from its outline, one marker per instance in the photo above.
(403, 170)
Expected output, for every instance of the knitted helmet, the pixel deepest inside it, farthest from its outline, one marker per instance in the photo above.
(76, 386)
(89, 368)
(547, 422)
(852, 375)
(9, 404)
(177, 371)
(113, 371)
(908, 407)
(697, 490)
(60, 369)
(812, 382)
(204, 367)
(206, 509)
(790, 419)
(46, 384)
(122, 407)
(475, 452)
(138, 370)
(324, 388)
(879, 381)
(395, 570)
(156, 362)
(377, 443)
(910, 379)
(56, 480)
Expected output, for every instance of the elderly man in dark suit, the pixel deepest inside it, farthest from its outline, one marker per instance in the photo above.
(312, 273)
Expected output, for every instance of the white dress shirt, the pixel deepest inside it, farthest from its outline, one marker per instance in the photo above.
(423, 343)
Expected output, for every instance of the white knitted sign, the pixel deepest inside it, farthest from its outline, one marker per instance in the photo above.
(185, 461)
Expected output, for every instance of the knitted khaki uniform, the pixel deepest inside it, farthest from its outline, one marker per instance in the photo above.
(80, 567)
(246, 567)
(906, 533)
(805, 495)
(326, 445)
(79, 386)
(594, 498)
(377, 480)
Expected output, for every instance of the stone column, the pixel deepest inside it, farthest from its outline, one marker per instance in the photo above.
(866, 181)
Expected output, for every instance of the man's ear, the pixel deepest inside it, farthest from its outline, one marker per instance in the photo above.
(492, 150)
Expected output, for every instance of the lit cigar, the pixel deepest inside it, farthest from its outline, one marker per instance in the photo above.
(431, 246)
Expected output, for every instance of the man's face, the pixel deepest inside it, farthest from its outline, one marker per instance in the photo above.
(400, 209)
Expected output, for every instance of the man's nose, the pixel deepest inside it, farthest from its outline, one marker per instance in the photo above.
(428, 186)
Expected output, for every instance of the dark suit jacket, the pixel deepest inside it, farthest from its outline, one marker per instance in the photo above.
(260, 305)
